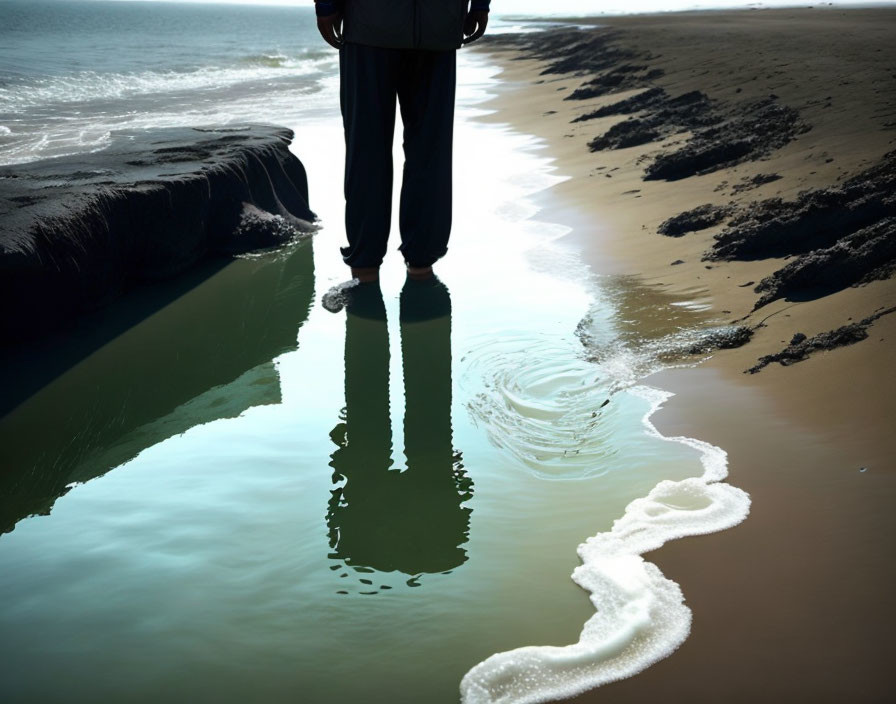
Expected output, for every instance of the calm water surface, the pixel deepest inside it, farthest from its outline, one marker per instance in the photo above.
(254, 499)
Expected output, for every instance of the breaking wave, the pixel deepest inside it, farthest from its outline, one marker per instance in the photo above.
(86, 86)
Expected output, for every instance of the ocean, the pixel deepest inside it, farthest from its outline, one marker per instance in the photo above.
(73, 72)
(195, 512)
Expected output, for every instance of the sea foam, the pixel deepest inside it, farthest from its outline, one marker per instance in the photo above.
(640, 615)
(87, 86)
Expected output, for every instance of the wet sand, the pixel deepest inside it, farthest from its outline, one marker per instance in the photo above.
(794, 604)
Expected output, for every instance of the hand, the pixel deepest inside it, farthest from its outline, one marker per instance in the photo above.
(475, 24)
(330, 28)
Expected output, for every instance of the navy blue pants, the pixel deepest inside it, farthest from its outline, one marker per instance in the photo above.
(423, 82)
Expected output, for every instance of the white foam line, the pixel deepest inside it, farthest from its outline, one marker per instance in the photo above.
(91, 85)
(640, 616)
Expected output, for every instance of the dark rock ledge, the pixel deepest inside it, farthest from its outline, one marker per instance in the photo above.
(77, 231)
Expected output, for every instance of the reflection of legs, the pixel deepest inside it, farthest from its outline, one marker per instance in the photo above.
(438, 486)
(365, 439)
(410, 521)
(368, 87)
(367, 376)
(426, 93)
(426, 356)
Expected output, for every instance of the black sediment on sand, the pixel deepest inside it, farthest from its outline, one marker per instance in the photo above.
(700, 218)
(722, 134)
(79, 230)
(801, 346)
(834, 238)
(744, 132)
(726, 338)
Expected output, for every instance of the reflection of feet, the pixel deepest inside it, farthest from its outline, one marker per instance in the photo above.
(424, 299)
(419, 273)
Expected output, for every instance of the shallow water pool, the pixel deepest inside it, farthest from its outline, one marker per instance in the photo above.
(241, 496)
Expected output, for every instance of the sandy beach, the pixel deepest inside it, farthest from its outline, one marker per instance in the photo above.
(797, 105)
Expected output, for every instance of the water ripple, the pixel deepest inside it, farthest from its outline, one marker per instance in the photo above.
(544, 404)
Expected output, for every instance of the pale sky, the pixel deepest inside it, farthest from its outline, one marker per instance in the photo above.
(587, 7)
(510, 6)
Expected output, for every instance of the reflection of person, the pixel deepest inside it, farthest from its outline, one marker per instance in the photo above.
(402, 49)
(379, 517)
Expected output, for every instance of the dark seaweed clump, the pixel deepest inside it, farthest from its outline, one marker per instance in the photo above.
(699, 218)
(644, 100)
(569, 51)
(746, 132)
(801, 346)
(722, 134)
(864, 256)
(749, 183)
(625, 77)
(840, 236)
(661, 117)
(723, 339)
(631, 133)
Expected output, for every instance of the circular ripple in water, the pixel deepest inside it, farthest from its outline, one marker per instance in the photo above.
(540, 401)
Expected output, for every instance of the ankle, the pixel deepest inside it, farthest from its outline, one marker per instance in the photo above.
(367, 274)
(419, 272)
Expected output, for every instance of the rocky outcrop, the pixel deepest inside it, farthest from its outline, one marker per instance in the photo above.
(77, 231)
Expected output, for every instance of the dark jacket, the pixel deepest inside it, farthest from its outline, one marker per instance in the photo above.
(405, 24)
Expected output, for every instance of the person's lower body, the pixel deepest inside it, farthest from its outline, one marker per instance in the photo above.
(372, 80)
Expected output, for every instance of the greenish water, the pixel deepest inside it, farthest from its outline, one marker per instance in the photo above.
(272, 503)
